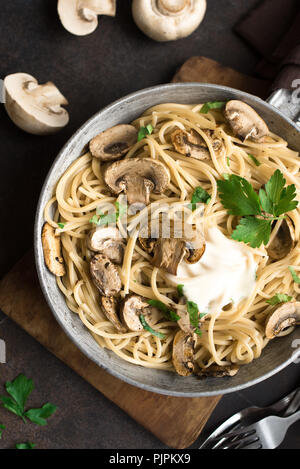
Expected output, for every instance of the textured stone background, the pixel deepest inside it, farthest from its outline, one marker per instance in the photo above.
(91, 71)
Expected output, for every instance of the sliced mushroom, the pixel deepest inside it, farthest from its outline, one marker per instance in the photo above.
(108, 241)
(113, 143)
(168, 20)
(109, 306)
(183, 353)
(283, 242)
(105, 275)
(217, 371)
(132, 307)
(190, 144)
(80, 17)
(35, 108)
(137, 177)
(244, 121)
(286, 315)
(52, 251)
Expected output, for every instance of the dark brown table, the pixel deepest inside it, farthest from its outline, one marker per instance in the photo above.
(91, 71)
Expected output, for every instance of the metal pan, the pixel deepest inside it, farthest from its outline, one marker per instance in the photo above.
(277, 355)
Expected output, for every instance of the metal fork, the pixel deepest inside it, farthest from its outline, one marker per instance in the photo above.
(267, 433)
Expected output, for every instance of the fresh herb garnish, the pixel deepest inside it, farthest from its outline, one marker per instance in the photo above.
(19, 390)
(180, 290)
(294, 275)
(255, 161)
(228, 161)
(61, 225)
(149, 328)
(102, 219)
(212, 105)
(279, 298)
(144, 131)
(199, 196)
(239, 198)
(168, 313)
(192, 309)
(27, 445)
(2, 427)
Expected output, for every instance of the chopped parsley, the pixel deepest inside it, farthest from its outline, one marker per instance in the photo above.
(199, 196)
(255, 161)
(61, 225)
(2, 427)
(27, 445)
(144, 131)
(149, 328)
(279, 298)
(180, 290)
(239, 198)
(192, 309)
(212, 105)
(228, 161)
(168, 313)
(294, 275)
(102, 219)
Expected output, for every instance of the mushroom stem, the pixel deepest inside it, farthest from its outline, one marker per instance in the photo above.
(96, 7)
(171, 7)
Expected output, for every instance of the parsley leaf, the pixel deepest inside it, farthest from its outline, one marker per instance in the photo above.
(254, 231)
(212, 105)
(106, 219)
(192, 309)
(228, 161)
(144, 131)
(277, 199)
(27, 445)
(39, 416)
(238, 196)
(199, 196)
(180, 289)
(168, 313)
(294, 275)
(2, 427)
(255, 161)
(61, 225)
(279, 298)
(149, 328)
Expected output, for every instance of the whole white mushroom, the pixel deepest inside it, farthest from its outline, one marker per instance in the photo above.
(168, 20)
(35, 108)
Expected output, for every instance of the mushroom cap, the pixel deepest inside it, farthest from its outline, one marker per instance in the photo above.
(183, 353)
(137, 177)
(131, 308)
(32, 107)
(286, 315)
(283, 242)
(217, 371)
(168, 20)
(52, 251)
(244, 121)
(109, 306)
(168, 253)
(79, 17)
(108, 241)
(105, 275)
(113, 143)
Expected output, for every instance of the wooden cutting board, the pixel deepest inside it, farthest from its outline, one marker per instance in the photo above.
(176, 421)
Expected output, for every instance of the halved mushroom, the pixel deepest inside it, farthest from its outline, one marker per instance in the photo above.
(35, 108)
(108, 241)
(183, 353)
(52, 251)
(168, 20)
(286, 315)
(283, 242)
(137, 177)
(105, 275)
(217, 371)
(109, 306)
(80, 17)
(244, 121)
(132, 307)
(113, 143)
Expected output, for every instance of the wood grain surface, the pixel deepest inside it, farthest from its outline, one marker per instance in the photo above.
(175, 421)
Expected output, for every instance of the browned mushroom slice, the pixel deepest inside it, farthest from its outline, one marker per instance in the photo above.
(283, 242)
(132, 307)
(286, 315)
(190, 144)
(195, 250)
(108, 241)
(217, 371)
(183, 353)
(244, 121)
(137, 177)
(52, 251)
(113, 143)
(109, 306)
(168, 253)
(105, 275)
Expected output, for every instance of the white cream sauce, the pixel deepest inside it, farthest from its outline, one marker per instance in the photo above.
(224, 274)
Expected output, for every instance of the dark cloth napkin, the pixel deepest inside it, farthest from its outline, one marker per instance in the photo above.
(273, 30)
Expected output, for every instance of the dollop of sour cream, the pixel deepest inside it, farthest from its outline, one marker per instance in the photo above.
(225, 273)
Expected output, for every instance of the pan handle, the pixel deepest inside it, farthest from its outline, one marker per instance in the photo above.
(288, 102)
